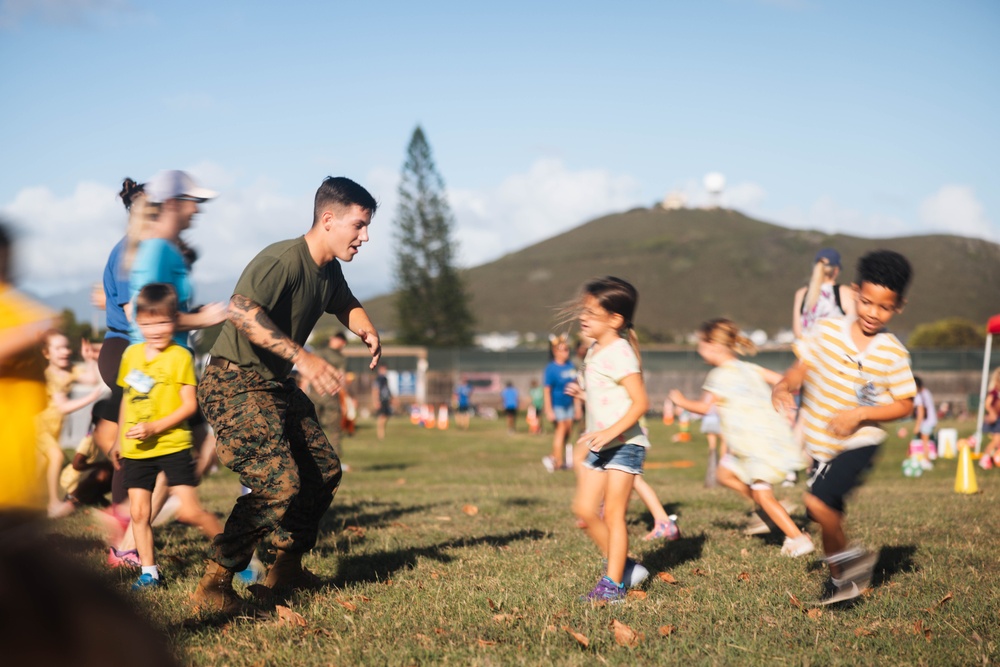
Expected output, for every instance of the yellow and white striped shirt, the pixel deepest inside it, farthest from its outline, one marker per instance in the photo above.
(840, 378)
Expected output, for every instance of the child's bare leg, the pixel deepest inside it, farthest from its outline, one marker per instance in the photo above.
(650, 499)
(158, 498)
(765, 498)
(722, 448)
(192, 513)
(590, 487)
(559, 442)
(831, 523)
(204, 439)
(580, 455)
(618, 489)
(54, 465)
(728, 479)
(139, 505)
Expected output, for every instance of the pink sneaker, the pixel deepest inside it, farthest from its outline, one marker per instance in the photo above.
(666, 530)
(128, 558)
(986, 462)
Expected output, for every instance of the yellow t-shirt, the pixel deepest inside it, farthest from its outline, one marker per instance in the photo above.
(22, 395)
(70, 477)
(153, 391)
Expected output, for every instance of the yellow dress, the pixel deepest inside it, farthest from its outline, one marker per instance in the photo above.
(22, 395)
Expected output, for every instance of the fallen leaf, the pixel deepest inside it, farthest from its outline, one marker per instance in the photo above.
(486, 642)
(624, 635)
(423, 639)
(398, 524)
(667, 577)
(400, 482)
(743, 576)
(504, 618)
(355, 530)
(471, 510)
(744, 553)
(698, 572)
(443, 518)
(435, 575)
(440, 631)
(349, 606)
(637, 595)
(363, 598)
(583, 641)
(946, 598)
(795, 601)
(920, 629)
(814, 613)
(863, 632)
(493, 605)
(667, 630)
(288, 617)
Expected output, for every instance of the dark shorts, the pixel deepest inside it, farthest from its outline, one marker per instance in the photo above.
(141, 473)
(991, 428)
(832, 482)
(511, 412)
(384, 409)
(462, 409)
(108, 362)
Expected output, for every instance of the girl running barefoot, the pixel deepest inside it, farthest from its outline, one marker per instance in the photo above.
(762, 450)
(616, 399)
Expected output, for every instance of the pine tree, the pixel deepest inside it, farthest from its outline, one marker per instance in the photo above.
(431, 301)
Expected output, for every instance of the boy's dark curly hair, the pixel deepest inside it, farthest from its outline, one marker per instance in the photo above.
(886, 268)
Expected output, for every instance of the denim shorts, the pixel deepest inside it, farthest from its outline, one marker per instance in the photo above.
(564, 413)
(627, 458)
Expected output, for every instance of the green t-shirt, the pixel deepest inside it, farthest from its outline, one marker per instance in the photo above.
(285, 281)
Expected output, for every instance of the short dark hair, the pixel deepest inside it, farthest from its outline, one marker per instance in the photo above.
(886, 268)
(341, 191)
(157, 299)
(339, 335)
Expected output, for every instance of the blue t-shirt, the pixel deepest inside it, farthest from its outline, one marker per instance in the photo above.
(463, 391)
(160, 261)
(116, 294)
(509, 396)
(557, 376)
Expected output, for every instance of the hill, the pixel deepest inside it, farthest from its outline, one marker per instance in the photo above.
(691, 265)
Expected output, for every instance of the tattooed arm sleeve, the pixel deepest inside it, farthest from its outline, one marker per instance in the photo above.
(251, 321)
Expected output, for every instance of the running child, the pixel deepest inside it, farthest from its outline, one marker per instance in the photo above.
(60, 376)
(157, 377)
(762, 450)
(560, 408)
(926, 421)
(991, 423)
(854, 375)
(616, 399)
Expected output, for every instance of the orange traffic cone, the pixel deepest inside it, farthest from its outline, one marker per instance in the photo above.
(443, 418)
(965, 477)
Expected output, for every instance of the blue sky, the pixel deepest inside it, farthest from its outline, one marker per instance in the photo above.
(868, 118)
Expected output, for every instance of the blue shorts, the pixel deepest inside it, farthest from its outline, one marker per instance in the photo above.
(564, 413)
(991, 428)
(627, 458)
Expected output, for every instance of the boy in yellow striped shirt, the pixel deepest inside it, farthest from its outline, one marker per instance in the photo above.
(853, 375)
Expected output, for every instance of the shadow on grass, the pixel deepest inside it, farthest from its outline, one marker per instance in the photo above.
(670, 555)
(368, 514)
(73, 545)
(380, 566)
(892, 561)
(382, 467)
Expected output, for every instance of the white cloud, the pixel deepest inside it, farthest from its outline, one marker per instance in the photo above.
(529, 207)
(826, 215)
(954, 209)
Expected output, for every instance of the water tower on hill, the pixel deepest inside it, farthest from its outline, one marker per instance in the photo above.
(714, 184)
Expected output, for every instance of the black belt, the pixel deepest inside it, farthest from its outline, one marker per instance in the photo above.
(224, 364)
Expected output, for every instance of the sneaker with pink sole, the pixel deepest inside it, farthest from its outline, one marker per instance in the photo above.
(665, 530)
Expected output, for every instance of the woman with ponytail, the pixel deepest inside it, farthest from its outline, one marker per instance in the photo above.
(822, 297)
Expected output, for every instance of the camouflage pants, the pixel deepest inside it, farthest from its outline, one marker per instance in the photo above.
(329, 414)
(268, 434)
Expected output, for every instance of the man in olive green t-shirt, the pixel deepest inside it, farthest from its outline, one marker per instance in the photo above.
(266, 427)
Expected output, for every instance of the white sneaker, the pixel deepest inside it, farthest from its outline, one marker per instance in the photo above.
(926, 464)
(549, 463)
(634, 573)
(799, 546)
(757, 526)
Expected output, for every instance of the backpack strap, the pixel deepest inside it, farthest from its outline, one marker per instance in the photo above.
(836, 296)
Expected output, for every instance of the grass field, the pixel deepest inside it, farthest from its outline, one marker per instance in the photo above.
(449, 547)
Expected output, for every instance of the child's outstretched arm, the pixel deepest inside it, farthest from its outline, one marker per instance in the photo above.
(847, 422)
(189, 405)
(640, 404)
(781, 394)
(701, 407)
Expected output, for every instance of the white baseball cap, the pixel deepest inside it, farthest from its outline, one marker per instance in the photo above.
(171, 184)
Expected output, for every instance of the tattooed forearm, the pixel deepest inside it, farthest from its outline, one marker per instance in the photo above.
(251, 321)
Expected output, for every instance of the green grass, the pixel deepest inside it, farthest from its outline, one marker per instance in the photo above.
(427, 583)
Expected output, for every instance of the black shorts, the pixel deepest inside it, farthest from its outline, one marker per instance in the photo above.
(831, 482)
(511, 412)
(384, 409)
(179, 468)
(107, 362)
